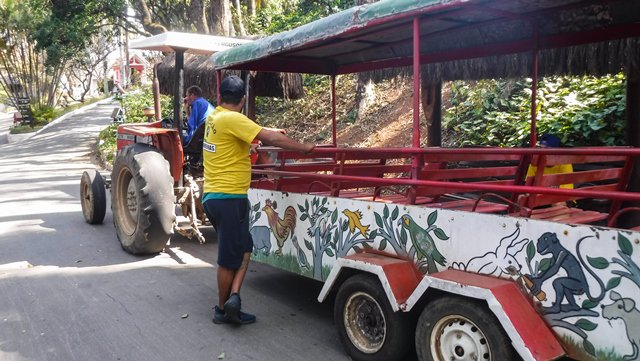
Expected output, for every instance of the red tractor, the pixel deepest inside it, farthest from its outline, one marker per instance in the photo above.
(151, 174)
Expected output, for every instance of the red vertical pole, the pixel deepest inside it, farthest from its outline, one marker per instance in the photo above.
(534, 91)
(416, 96)
(333, 111)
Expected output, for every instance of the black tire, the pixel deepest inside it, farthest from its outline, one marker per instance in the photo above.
(455, 328)
(93, 197)
(142, 199)
(367, 326)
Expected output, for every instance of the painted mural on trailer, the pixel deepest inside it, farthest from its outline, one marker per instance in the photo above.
(586, 279)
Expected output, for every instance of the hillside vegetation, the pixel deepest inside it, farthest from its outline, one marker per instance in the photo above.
(582, 111)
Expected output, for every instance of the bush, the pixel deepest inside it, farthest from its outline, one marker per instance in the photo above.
(580, 110)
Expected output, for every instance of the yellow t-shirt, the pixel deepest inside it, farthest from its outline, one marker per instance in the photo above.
(555, 169)
(227, 167)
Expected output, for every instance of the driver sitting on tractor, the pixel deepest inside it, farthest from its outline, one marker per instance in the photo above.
(198, 109)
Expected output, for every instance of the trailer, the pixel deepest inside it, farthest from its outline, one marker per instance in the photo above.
(457, 252)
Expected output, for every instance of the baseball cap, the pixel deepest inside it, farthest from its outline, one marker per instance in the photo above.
(232, 85)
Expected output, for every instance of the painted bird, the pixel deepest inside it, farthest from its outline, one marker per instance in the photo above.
(354, 218)
(423, 242)
(281, 228)
(302, 258)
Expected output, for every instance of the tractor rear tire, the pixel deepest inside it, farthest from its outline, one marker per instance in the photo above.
(142, 199)
(367, 325)
(93, 197)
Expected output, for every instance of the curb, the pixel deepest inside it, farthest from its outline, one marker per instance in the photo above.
(15, 138)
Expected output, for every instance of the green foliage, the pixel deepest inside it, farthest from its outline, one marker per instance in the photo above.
(44, 114)
(580, 110)
(71, 24)
(134, 103)
(278, 16)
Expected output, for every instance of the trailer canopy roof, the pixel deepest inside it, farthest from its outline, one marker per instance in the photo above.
(379, 35)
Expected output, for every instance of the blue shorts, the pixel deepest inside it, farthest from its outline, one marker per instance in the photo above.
(230, 218)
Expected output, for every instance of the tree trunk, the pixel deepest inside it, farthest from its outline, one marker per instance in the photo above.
(240, 29)
(220, 17)
(431, 98)
(147, 21)
(197, 16)
(251, 7)
(365, 88)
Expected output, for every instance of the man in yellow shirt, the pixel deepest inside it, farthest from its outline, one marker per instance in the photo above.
(227, 174)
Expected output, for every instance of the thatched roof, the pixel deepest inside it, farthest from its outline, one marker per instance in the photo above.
(199, 70)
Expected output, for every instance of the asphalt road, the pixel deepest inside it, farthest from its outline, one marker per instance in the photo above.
(69, 292)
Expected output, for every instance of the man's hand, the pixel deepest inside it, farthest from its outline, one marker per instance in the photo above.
(308, 148)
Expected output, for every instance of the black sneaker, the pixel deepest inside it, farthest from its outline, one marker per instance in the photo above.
(219, 317)
(232, 308)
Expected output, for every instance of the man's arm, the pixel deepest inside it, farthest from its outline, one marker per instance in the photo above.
(277, 139)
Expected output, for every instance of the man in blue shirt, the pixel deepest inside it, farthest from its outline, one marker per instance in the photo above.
(199, 110)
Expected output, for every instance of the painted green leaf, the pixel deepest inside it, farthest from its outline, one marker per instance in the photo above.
(385, 212)
(334, 216)
(345, 225)
(440, 234)
(314, 201)
(395, 213)
(588, 346)
(329, 252)
(598, 262)
(403, 236)
(256, 207)
(306, 204)
(383, 245)
(367, 245)
(324, 200)
(301, 208)
(308, 244)
(258, 215)
(373, 234)
(335, 235)
(586, 324)
(624, 244)
(588, 304)
(613, 283)
(304, 217)
(378, 220)
(357, 249)
(545, 264)
(432, 218)
(531, 250)
(323, 209)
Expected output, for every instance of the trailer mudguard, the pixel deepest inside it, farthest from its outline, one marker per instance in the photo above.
(405, 286)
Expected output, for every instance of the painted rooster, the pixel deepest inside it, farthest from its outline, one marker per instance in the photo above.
(282, 228)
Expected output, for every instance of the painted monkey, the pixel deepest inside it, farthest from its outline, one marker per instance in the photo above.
(574, 283)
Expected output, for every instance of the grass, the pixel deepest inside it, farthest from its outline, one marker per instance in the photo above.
(46, 117)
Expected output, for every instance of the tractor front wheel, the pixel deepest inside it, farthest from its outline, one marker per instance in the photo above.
(142, 199)
(93, 197)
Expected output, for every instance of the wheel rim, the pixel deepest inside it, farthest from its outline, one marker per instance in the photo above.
(365, 323)
(127, 201)
(86, 196)
(457, 338)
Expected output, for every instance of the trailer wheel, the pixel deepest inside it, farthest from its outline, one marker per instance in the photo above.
(142, 199)
(93, 197)
(454, 328)
(367, 325)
